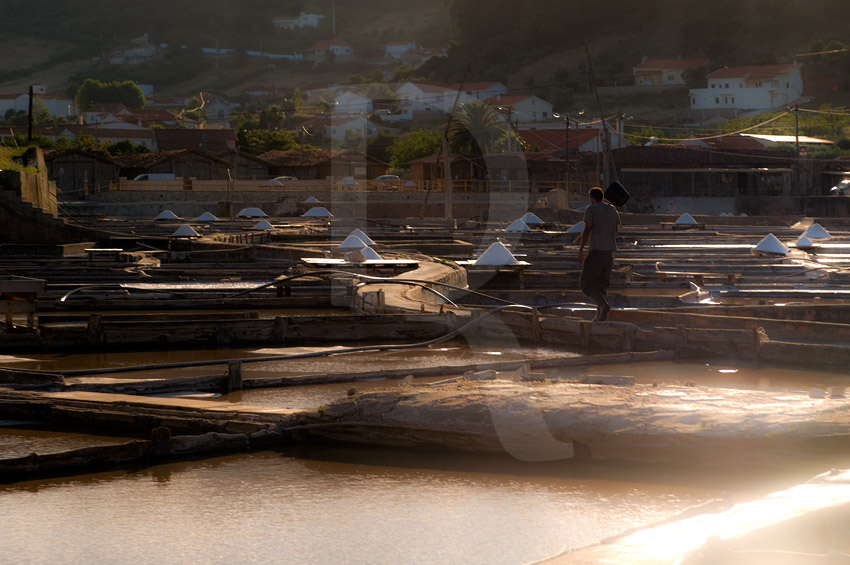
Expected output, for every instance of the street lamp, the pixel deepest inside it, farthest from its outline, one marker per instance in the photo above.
(567, 144)
(509, 110)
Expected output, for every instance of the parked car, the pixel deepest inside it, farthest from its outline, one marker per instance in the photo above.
(155, 176)
(347, 182)
(841, 189)
(388, 178)
(409, 184)
(281, 181)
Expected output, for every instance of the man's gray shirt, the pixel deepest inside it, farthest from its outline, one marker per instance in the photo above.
(603, 219)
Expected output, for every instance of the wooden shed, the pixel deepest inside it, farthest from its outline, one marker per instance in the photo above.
(78, 171)
(182, 163)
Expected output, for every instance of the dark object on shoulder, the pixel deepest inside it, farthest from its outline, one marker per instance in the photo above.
(617, 194)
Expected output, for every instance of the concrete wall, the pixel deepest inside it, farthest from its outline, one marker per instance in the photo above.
(505, 206)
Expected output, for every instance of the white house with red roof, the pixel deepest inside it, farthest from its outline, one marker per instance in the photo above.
(395, 49)
(352, 103)
(666, 72)
(416, 57)
(765, 87)
(528, 108)
(335, 127)
(318, 51)
(56, 104)
(301, 21)
(427, 97)
(481, 90)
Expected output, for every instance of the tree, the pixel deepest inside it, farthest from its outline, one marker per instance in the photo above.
(256, 141)
(415, 145)
(477, 129)
(93, 92)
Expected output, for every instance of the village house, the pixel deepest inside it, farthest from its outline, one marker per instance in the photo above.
(319, 50)
(336, 127)
(143, 117)
(135, 56)
(418, 98)
(396, 49)
(480, 90)
(312, 164)
(350, 103)
(764, 87)
(56, 104)
(212, 140)
(301, 21)
(416, 57)
(523, 108)
(665, 72)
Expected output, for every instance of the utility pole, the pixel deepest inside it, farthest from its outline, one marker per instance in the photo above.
(29, 118)
(797, 145)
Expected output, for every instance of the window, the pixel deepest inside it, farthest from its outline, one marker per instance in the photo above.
(733, 100)
(726, 85)
(545, 114)
(717, 100)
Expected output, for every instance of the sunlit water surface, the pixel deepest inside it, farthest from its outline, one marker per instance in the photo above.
(271, 508)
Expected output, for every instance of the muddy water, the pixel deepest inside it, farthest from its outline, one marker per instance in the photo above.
(358, 506)
(273, 508)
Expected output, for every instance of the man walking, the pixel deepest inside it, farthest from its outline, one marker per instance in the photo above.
(601, 223)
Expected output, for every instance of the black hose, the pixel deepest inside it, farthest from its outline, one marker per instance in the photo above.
(181, 365)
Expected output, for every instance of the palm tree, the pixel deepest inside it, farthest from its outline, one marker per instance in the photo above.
(477, 130)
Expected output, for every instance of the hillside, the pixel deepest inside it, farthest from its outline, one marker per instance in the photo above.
(533, 46)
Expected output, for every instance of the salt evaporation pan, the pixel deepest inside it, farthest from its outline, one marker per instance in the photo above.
(816, 231)
(263, 226)
(370, 254)
(577, 228)
(686, 220)
(185, 231)
(363, 237)
(770, 245)
(167, 215)
(803, 242)
(252, 213)
(518, 225)
(497, 254)
(352, 242)
(531, 218)
(317, 212)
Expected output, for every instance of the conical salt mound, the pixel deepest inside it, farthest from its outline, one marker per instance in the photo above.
(167, 215)
(815, 231)
(497, 254)
(352, 242)
(686, 220)
(518, 225)
(207, 217)
(263, 225)
(370, 254)
(185, 231)
(311, 200)
(363, 237)
(317, 212)
(252, 213)
(771, 245)
(577, 228)
(531, 218)
(803, 242)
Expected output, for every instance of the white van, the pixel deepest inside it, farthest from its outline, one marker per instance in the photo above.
(156, 176)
